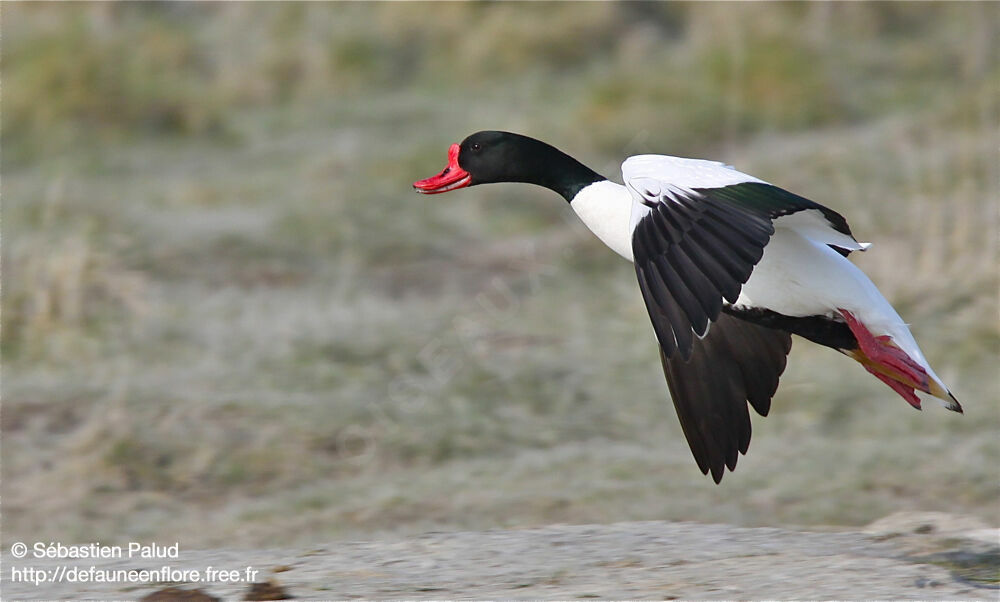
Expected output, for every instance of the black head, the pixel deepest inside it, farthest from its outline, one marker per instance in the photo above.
(490, 156)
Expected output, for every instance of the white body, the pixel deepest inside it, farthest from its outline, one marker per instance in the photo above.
(798, 275)
(605, 208)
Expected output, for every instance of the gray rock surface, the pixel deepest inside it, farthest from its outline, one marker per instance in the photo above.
(909, 558)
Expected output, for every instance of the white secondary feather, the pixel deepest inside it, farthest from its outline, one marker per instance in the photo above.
(683, 173)
(813, 225)
(654, 178)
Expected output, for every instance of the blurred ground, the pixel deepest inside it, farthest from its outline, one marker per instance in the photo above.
(909, 556)
(228, 320)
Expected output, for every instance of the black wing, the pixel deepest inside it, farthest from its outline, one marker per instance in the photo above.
(696, 248)
(690, 253)
(693, 250)
(734, 363)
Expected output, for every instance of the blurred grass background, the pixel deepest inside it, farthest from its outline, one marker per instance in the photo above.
(228, 320)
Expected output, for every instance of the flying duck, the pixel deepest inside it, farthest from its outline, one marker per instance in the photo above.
(729, 267)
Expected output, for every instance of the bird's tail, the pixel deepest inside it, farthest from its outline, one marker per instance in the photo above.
(893, 366)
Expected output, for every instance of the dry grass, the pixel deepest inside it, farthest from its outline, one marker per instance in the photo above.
(239, 325)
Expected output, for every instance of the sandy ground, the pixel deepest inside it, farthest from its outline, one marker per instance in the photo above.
(916, 556)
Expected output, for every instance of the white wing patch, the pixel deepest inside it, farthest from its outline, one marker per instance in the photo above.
(678, 173)
(811, 224)
(652, 179)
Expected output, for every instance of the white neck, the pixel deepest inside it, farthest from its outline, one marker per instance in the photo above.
(605, 208)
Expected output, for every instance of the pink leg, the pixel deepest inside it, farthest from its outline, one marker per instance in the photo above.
(887, 362)
(905, 392)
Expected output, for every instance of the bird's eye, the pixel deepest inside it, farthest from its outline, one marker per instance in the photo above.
(476, 146)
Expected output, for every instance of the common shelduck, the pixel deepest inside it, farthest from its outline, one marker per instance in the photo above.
(729, 266)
